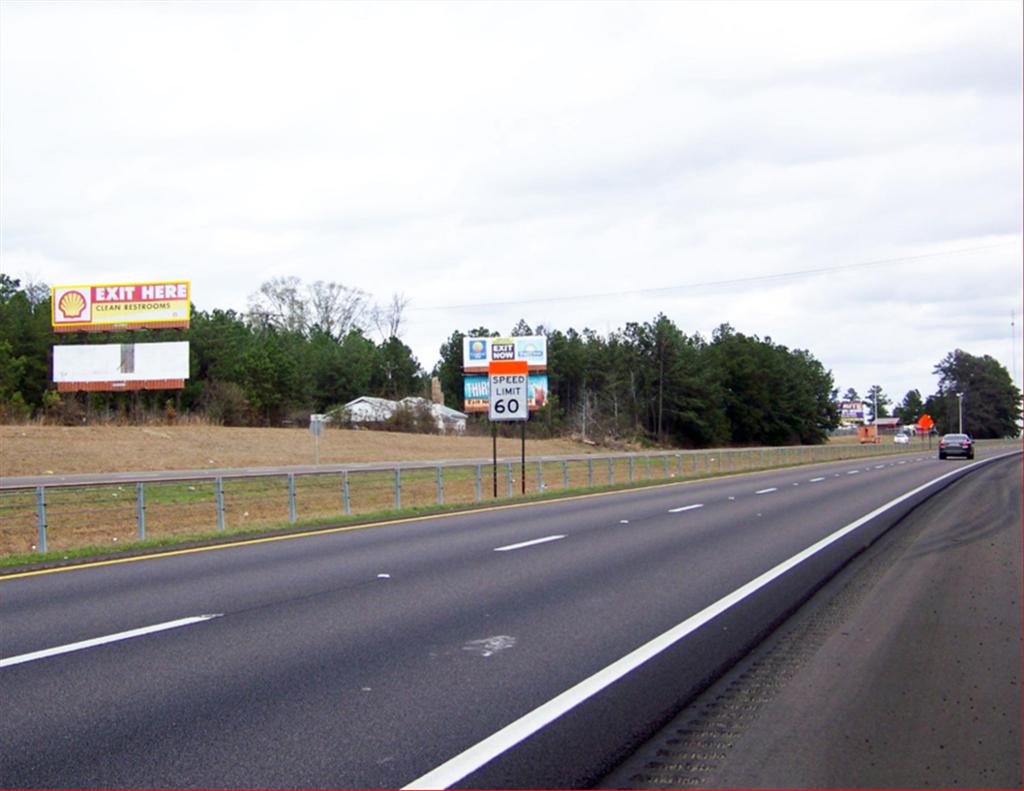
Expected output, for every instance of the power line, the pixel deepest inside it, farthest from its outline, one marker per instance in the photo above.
(714, 283)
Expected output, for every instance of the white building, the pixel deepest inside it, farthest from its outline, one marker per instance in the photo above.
(367, 410)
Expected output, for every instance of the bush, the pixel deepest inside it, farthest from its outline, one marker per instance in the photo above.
(225, 404)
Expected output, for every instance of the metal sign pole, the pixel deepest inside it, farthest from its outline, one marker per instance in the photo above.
(494, 448)
(522, 474)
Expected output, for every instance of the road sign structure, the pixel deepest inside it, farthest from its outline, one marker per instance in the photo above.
(509, 391)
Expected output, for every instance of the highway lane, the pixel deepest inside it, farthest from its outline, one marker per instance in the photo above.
(370, 657)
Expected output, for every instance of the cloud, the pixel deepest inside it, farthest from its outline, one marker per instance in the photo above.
(466, 154)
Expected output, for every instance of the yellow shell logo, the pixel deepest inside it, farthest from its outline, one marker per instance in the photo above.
(71, 304)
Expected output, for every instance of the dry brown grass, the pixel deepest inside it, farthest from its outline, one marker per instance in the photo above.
(60, 450)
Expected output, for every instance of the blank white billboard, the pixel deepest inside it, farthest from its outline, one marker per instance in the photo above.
(120, 362)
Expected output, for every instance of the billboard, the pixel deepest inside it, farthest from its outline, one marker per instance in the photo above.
(479, 353)
(122, 306)
(121, 366)
(851, 411)
(476, 392)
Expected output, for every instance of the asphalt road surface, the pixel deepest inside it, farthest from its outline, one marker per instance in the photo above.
(532, 645)
(903, 671)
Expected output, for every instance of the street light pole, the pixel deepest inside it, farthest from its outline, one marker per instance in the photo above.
(960, 411)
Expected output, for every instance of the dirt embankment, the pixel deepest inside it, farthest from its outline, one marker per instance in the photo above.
(60, 450)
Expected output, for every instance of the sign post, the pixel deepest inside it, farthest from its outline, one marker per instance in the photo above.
(508, 402)
(316, 426)
(926, 424)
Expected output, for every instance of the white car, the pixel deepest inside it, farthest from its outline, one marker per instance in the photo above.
(901, 439)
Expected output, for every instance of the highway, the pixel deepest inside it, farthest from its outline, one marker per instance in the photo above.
(520, 646)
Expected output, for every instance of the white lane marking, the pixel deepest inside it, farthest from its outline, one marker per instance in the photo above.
(816, 480)
(685, 508)
(852, 472)
(110, 638)
(533, 543)
(483, 752)
(766, 491)
(879, 466)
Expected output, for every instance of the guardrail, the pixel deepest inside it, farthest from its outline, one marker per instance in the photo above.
(62, 516)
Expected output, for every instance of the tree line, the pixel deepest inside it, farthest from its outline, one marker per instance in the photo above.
(302, 349)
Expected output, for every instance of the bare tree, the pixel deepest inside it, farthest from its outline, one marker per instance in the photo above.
(388, 318)
(337, 309)
(278, 303)
(284, 302)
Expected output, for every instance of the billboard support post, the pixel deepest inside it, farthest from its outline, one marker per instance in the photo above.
(523, 456)
(494, 454)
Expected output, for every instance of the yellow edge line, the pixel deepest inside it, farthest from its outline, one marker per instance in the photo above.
(344, 529)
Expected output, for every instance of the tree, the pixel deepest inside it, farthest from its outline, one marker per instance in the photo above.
(521, 329)
(399, 373)
(336, 309)
(285, 304)
(388, 318)
(851, 395)
(877, 399)
(911, 408)
(990, 401)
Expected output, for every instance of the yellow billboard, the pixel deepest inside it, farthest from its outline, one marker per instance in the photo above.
(121, 306)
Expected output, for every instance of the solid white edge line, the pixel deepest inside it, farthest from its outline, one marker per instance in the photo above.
(110, 638)
(483, 752)
(535, 541)
(685, 508)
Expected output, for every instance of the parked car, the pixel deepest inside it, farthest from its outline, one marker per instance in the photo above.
(901, 439)
(956, 445)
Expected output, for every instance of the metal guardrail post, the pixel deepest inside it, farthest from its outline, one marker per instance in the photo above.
(565, 475)
(540, 476)
(479, 476)
(440, 485)
(219, 488)
(292, 514)
(632, 464)
(611, 472)
(590, 472)
(140, 509)
(41, 518)
(398, 488)
(508, 476)
(346, 500)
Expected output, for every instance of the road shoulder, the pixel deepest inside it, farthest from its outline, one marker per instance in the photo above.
(903, 671)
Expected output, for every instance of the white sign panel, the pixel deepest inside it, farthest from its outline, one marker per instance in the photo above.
(509, 397)
(120, 362)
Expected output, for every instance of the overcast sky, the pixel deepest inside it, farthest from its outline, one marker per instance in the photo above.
(572, 164)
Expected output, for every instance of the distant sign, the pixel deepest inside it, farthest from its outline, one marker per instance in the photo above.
(850, 411)
(103, 308)
(508, 390)
(478, 353)
(925, 423)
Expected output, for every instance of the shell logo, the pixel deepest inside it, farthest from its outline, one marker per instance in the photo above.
(72, 304)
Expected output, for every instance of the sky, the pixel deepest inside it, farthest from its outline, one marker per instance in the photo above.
(844, 178)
